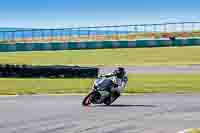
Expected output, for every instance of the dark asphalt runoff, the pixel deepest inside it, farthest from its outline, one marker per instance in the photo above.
(149, 113)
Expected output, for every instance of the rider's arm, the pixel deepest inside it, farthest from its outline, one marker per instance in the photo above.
(124, 83)
(107, 75)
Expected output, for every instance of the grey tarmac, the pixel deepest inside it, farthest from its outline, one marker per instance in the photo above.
(144, 113)
(156, 69)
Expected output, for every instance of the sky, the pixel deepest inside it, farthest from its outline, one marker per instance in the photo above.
(80, 13)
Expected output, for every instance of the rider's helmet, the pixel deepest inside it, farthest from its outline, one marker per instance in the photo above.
(120, 72)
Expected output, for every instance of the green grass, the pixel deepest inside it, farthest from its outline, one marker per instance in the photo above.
(40, 86)
(138, 83)
(163, 83)
(194, 131)
(107, 57)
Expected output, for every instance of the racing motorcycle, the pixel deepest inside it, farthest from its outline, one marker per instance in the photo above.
(101, 86)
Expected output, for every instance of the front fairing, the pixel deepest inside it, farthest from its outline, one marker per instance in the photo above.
(97, 82)
(100, 80)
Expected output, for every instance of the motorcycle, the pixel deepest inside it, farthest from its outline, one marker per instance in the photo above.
(102, 86)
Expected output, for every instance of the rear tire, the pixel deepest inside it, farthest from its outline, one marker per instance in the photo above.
(108, 101)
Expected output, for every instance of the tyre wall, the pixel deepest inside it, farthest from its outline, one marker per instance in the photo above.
(27, 71)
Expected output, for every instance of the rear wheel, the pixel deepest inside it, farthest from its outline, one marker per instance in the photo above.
(87, 99)
(109, 101)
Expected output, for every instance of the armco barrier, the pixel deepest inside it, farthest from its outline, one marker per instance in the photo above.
(97, 45)
(27, 71)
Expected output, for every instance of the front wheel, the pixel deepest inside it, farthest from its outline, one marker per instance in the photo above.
(87, 99)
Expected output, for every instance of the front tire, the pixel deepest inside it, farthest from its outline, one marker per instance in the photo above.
(87, 99)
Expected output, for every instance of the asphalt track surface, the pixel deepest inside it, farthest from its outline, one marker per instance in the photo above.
(149, 113)
(156, 69)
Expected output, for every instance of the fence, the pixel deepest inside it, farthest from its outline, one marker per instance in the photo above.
(101, 33)
(98, 45)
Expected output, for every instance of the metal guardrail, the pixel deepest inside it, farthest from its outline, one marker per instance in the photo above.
(120, 32)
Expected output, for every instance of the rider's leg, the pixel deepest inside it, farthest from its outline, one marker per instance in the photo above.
(104, 95)
(116, 91)
(114, 94)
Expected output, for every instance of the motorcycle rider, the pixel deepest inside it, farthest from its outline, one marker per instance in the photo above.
(120, 79)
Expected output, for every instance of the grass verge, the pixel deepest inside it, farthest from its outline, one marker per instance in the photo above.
(194, 131)
(107, 57)
(191, 131)
(138, 83)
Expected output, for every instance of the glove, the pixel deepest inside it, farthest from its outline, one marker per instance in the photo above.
(116, 85)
